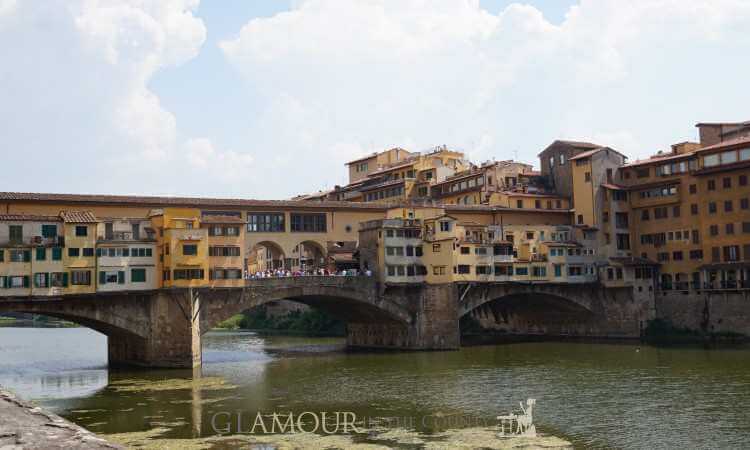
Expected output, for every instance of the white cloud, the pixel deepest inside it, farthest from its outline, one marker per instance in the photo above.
(339, 79)
(77, 110)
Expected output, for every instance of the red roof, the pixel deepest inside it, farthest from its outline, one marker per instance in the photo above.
(78, 217)
(725, 144)
(28, 218)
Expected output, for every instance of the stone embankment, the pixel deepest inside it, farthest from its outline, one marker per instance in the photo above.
(25, 426)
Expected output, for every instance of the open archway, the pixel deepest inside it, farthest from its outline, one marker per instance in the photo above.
(309, 255)
(265, 255)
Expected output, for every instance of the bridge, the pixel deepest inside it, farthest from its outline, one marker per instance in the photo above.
(163, 328)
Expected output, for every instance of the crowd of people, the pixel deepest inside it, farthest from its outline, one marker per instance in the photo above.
(319, 272)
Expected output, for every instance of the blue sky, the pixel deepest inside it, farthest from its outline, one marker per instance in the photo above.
(268, 99)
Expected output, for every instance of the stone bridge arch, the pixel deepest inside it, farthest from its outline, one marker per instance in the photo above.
(351, 299)
(553, 309)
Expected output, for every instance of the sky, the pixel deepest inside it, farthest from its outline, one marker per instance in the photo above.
(269, 99)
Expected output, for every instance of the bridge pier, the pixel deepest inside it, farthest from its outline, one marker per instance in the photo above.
(173, 340)
(434, 326)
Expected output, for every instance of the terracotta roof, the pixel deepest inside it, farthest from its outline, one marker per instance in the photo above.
(588, 153)
(659, 158)
(575, 144)
(370, 156)
(222, 219)
(382, 185)
(78, 217)
(133, 200)
(729, 143)
(28, 218)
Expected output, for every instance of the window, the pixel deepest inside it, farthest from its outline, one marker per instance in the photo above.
(224, 251)
(310, 223)
(746, 228)
(696, 254)
(539, 271)
(82, 230)
(676, 211)
(188, 274)
(677, 255)
(436, 248)
(56, 253)
(49, 231)
(711, 185)
(41, 253)
(693, 188)
(743, 180)
(80, 277)
(710, 160)
(623, 241)
(715, 254)
(394, 251)
(418, 251)
(587, 177)
(551, 161)
(642, 173)
(729, 228)
(480, 250)
(744, 203)
(558, 204)
(562, 159)
(538, 204)
(575, 271)
(41, 280)
(522, 271)
(265, 222)
(605, 216)
(645, 215)
(580, 219)
(694, 209)
(729, 157)
(726, 182)
(445, 226)
(189, 250)
(712, 207)
(519, 203)
(74, 252)
(558, 270)
(232, 231)
(438, 270)
(111, 277)
(484, 270)
(713, 230)
(731, 253)
(15, 233)
(465, 250)
(621, 220)
(464, 269)
(138, 275)
(88, 252)
(391, 270)
(662, 256)
(728, 206)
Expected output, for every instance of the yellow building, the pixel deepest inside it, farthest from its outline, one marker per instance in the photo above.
(79, 257)
(183, 247)
(226, 249)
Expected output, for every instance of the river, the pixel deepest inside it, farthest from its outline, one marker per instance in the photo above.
(593, 395)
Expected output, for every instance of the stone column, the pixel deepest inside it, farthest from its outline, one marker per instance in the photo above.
(436, 327)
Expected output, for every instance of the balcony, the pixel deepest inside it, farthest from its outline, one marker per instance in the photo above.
(125, 236)
(36, 241)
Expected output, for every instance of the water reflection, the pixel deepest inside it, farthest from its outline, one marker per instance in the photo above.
(597, 395)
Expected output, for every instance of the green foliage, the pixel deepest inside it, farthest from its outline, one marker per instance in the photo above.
(308, 323)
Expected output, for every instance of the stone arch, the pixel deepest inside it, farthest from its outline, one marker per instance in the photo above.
(350, 299)
(311, 254)
(262, 261)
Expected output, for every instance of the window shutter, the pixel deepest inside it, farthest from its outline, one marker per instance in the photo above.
(65, 279)
(49, 280)
(98, 252)
(102, 277)
(26, 257)
(126, 252)
(121, 277)
(26, 280)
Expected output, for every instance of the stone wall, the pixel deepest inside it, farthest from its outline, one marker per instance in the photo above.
(717, 312)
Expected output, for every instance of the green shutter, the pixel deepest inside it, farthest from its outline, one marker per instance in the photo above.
(26, 280)
(41, 253)
(120, 277)
(126, 252)
(27, 256)
(148, 252)
(98, 252)
(102, 278)
(56, 253)
(65, 279)
(2, 255)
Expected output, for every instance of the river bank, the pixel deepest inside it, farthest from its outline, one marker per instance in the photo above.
(23, 425)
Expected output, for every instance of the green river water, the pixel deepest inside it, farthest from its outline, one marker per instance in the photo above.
(593, 395)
